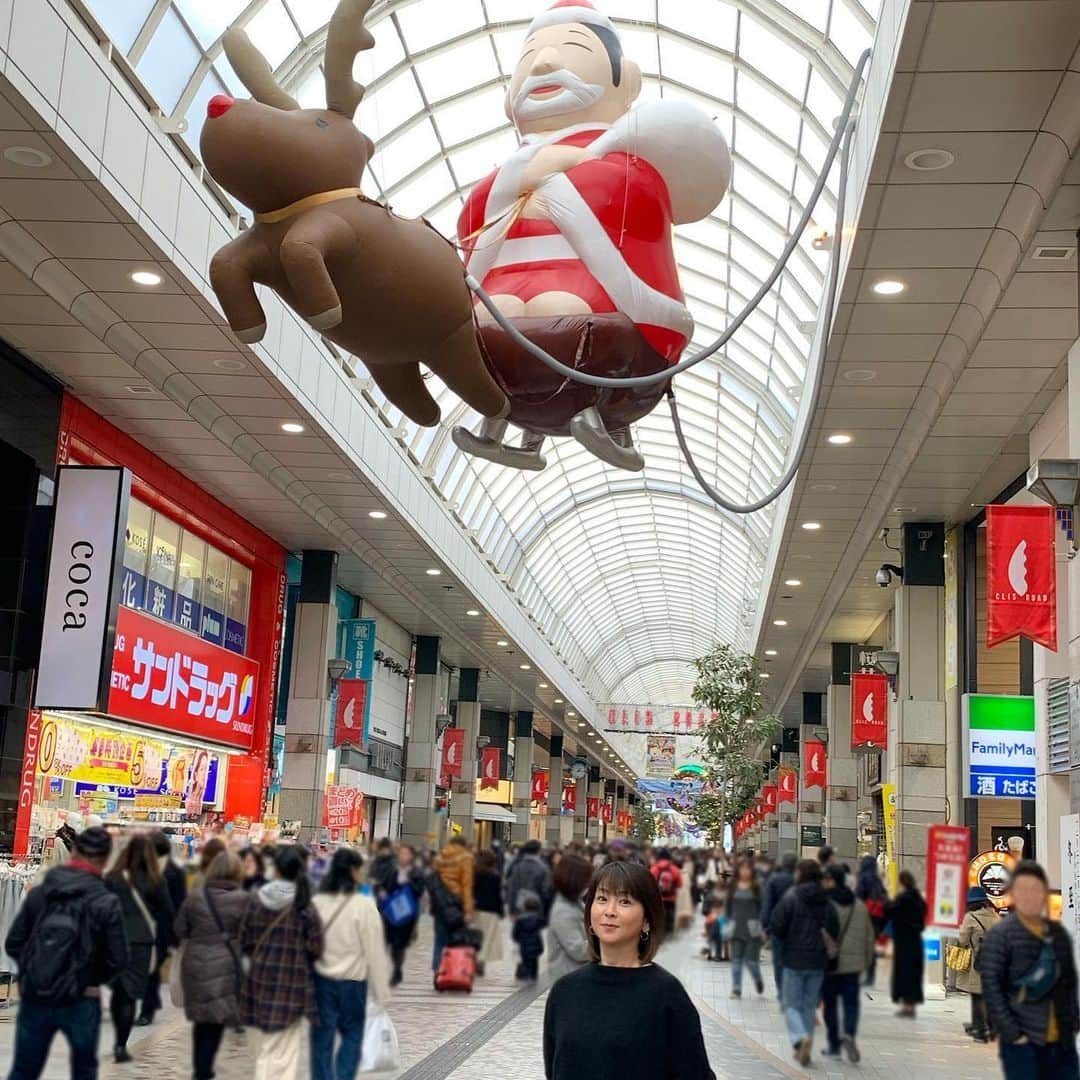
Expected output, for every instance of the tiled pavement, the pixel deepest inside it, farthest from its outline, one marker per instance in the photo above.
(745, 1038)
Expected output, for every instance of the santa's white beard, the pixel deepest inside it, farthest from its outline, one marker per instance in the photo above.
(576, 95)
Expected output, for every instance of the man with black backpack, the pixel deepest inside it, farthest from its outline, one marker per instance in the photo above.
(68, 940)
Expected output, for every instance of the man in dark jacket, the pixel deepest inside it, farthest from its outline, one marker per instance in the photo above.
(804, 921)
(776, 885)
(1032, 1004)
(55, 999)
(529, 875)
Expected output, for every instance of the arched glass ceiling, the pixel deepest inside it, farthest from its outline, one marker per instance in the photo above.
(629, 576)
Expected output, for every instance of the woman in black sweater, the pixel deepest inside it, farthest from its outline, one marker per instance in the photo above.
(623, 1015)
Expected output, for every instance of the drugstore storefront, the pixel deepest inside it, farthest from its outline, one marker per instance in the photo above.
(173, 727)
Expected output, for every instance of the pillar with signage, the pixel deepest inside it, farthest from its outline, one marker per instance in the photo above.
(918, 733)
(523, 767)
(419, 822)
(554, 819)
(463, 791)
(596, 797)
(813, 746)
(308, 712)
(579, 773)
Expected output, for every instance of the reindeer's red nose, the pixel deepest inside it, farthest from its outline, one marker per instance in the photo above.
(219, 105)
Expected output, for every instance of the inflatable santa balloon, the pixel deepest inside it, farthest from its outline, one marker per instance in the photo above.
(572, 238)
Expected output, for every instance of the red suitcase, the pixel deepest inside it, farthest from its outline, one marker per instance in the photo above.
(457, 969)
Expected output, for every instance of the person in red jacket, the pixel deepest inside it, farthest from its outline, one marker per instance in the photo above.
(669, 881)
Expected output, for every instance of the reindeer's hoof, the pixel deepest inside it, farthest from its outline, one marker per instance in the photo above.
(252, 334)
(327, 320)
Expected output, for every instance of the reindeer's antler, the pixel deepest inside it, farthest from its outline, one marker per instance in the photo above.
(254, 72)
(346, 38)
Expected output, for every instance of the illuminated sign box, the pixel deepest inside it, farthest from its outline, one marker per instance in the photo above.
(999, 746)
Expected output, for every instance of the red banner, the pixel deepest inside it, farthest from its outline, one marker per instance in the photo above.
(169, 679)
(815, 763)
(869, 712)
(540, 782)
(769, 798)
(787, 780)
(1021, 575)
(490, 762)
(947, 849)
(592, 807)
(453, 754)
(569, 797)
(343, 808)
(607, 811)
(351, 705)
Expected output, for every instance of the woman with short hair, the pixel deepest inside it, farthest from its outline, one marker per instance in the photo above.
(567, 944)
(623, 1015)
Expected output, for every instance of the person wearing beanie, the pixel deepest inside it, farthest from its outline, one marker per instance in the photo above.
(68, 940)
(980, 919)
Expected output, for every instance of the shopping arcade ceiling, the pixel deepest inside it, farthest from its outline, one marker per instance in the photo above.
(628, 576)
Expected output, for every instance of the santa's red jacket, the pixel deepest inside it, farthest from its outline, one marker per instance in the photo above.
(607, 237)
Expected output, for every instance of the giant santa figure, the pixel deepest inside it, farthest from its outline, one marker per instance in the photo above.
(572, 238)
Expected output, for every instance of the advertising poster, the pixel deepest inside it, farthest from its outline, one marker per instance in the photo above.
(1021, 575)
(660, 756)
(352, 695)
(869, 712)
(97, 755)
(946, 875)
(343, 808)
(356, 643)
(888, 802)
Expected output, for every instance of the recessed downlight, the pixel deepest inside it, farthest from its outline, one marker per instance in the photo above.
(377, 515)
(860, 375)
(779, 622)
(889, 287)
(502, 644)
(766, 675)
(840, 438)
(28, 157)
(291, 427)
(770, 652)
(558, 701)
(147, 278)
(472, 612)
(793, 583)
(930, 159)
(903, 509)
(811, 526)
(570, 712)
(823, 487)
(542, 686)
(433, 572)
(229, 363)
(525, 667)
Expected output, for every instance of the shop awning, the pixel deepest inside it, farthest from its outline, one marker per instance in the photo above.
(494, 813)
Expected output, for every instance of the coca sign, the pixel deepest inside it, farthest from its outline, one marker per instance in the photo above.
(1021, 575)
(869, 712)
(169, 679)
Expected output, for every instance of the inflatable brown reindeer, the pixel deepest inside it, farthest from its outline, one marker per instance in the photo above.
(389, 290)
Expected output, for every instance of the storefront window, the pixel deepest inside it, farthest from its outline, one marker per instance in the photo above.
(189, 580)
(136, 552)
(239, 594)
(160, 591)
(212, 627)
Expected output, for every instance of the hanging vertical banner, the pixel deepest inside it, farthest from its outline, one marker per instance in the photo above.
(351, 708)
(888, 808)
(869, 712)
(356, 643)
(787, 784)
(815, 763)
(947, 851)
(540, 782)
(769, 798)
(592, 808)
(490, 762)
(453, 754)
(569, 798)
(1021, 575)
(606, 812)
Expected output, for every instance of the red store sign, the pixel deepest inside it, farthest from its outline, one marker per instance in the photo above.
(869, 712)
(166, 678)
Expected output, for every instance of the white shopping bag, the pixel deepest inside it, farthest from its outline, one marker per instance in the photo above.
(381, 1051)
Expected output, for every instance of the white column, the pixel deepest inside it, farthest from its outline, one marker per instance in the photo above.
(463, 802)
(555, 790)
(419, 825)
(841, 802)
(523, 768)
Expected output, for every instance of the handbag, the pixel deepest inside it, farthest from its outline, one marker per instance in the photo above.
(381, 1052)
(230, 943)
(959, 957)
(248, 962)
(400, 907)
(1039, 980)
(834, 953)
(149, 919)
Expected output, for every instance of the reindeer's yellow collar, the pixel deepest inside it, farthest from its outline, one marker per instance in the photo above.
(320, 199)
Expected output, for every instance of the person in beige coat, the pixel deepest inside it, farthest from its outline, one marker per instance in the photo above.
(981, 917)
(856, 954)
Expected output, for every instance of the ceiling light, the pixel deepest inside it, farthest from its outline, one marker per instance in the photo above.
(770, 652)
(930, 159)
(811, 526)
(889, 287)
(860, 375)
(433, 572)
(558, 701)
(766, 675)
(793, 583)
(229, 363)
(823, 487)
(472, 612)
(542, 686)
(570, 712)
(779, 622)
(145, 277)
(581, 723)
(140, 389)
(29, 157)
(377, 515)
(839, 439)
(291, 427)
(903, 509)
(502, 644)
(525, 667)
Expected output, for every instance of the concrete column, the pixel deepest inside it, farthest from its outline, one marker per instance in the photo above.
(841, 802)
(307, 716)
(463, 800)
(788, 813)
(419, 823)
(555, 789)
(596, 791)
(581, 831)
(620, 807)
(523, 768)
(916, 758)
(811, 804)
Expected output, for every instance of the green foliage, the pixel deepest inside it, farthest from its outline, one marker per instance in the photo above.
(729, 686)
(643, 829)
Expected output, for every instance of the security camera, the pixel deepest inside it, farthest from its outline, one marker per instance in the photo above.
(886, 572)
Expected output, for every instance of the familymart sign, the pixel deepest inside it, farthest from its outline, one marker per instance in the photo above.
(999, 746)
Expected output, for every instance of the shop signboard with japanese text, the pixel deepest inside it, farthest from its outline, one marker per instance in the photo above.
(947, 848)
(356, 644)
(168, 679)
(999, 746)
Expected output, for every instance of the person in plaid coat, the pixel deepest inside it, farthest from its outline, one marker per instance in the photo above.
(282, 937)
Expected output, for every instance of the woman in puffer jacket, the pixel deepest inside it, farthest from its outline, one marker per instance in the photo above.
(208, 927)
